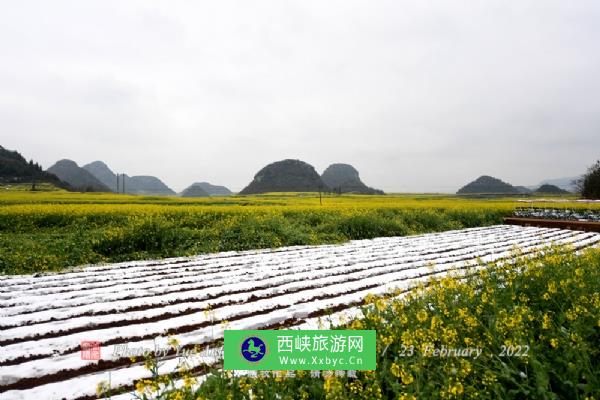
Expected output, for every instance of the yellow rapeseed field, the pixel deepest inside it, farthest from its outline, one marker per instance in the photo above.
(51, 230)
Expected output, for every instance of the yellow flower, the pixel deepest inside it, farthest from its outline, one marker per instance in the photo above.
(484, 297)
(465, 367)
(173, 342)
(523, 298)
(554, 342)
(140, 386)
(546, 321)
(380, 304)
(450, 335)
(422, 316)
(471, 321)
(331, 385)
(102, 388)
(406, 396)
(456, 389)
(354, 386)
(369, 298)
(386, 340)
(546, 296)
(189, 381)
(407, 338)
(357, 324)
(435, 322)
(574, 337)
(406, 377)
(395, 370)
(489, 378)
(398, 306)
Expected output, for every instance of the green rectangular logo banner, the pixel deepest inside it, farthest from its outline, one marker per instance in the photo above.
(278, 350)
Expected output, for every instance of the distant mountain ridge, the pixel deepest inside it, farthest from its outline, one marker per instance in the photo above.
(140, 184)
(194, 190)
(286, 176)
(486, 184)
(550, 189)
(146, 184)
(565, 183)
(104, 174)
(344, 178)
(77, 177)
(209, 189)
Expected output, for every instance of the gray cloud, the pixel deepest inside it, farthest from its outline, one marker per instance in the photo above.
(419, 96)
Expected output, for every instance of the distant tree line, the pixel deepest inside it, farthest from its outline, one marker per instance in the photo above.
(589, 184)
(15, 169)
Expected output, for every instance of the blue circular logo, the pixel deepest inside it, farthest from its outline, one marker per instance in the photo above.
(253, 349)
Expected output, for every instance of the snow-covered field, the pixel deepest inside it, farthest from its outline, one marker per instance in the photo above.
(44, 319)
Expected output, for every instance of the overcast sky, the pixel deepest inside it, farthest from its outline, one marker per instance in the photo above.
(417, 95)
